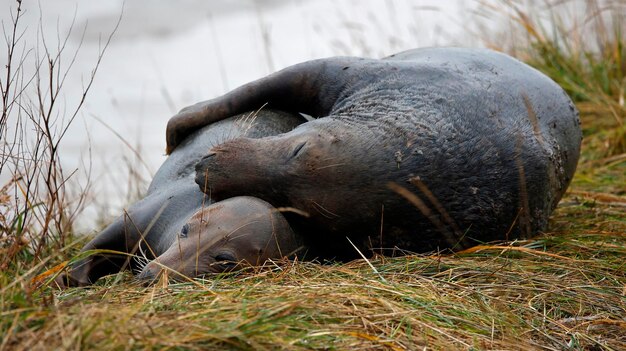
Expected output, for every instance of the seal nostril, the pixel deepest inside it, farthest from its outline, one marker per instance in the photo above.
(207, 156)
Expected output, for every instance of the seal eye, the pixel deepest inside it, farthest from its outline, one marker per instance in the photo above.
(297, 150)
(226, 261)
(184, 231)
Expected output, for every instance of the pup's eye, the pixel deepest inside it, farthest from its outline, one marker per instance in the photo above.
(184, 231)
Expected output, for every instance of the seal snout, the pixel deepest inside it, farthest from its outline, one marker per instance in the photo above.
(149, 274)
(201, 166)
(207, 156)
(202, 169)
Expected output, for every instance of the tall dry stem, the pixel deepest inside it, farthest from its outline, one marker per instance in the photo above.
(37, 208)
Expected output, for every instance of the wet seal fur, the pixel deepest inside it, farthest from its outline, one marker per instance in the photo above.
(423, 150)
(177, 224)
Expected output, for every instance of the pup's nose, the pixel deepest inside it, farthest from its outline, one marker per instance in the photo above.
(149, 274)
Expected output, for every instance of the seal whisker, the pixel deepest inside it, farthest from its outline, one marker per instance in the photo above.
(141, 263)
(142, 254)
(328, 214)
(253, 119)
(330, 166)
(228, 236)
(243, 122)
(227, 135)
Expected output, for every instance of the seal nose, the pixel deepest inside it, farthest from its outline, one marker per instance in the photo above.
(207, 156)
(201, 170)
(202, 164)
(149, 274)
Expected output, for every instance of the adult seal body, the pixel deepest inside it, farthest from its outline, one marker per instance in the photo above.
(427, 149)
(176, 216)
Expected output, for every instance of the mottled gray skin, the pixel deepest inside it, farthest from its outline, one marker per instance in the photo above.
(481, 144)
(173, 199)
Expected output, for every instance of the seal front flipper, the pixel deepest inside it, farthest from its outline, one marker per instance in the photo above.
(310, 87)
(88, 270)
(126, 233)
(284, 170)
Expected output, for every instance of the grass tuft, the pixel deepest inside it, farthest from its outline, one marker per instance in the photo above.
(580, 45)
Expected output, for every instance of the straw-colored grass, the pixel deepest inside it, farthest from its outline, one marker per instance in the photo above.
(580, 45)
(563, 290)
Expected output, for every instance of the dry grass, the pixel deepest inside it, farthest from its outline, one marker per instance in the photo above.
(579, 44)
(564, 290)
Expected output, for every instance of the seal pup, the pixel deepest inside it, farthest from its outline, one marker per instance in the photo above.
(230, 234)
(153, 225)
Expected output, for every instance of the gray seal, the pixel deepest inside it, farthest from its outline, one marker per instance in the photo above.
(156, 224)
(423, 150)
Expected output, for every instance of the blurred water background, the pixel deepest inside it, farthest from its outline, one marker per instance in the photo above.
(166, 55)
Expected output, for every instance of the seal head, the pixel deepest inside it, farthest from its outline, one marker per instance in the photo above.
(231, 234)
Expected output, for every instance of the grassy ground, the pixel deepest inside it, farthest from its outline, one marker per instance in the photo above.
(563, 290)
